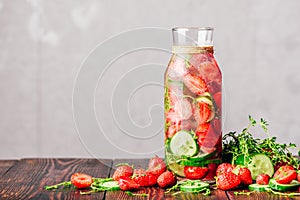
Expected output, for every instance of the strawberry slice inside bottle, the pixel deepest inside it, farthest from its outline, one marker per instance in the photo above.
(195, 84)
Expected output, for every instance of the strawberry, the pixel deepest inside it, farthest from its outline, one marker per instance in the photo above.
(263, 179)
(224, 167)
(195, 84)
(298, 177)
(144, 178)
(218, 100)
(166, 179)
(191, 172)
(285, 174)
(203, 112)
(156, 166)
(212, 167)
(245, 175)
(122, 171)
(126, 183)
(227, 181)
(210, 72)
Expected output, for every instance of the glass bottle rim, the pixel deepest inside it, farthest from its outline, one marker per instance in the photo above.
(192, 28)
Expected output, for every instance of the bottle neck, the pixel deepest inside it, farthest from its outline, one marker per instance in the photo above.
(192, 40)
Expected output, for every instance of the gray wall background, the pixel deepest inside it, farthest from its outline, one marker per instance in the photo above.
(43, 43)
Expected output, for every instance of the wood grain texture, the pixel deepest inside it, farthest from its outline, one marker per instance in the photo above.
(26, 179)
(6, 165)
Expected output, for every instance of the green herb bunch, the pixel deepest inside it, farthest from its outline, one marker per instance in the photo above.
(239, 148)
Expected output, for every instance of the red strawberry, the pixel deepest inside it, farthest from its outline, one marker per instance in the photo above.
(177, 69)
(218, 100)
(224, 167)
(212, 167)
(298, 177)
(156, 166)
(122, 171)
(143, 178)
(191, 172)
(127, 183)
(195, 84)
(227, 181)
(210, 72)
(263, 179)
(245, 176)
(166, 179)
(285, 174)
(217, 125)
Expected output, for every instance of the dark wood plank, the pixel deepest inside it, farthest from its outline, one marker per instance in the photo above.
(26, 179)
(257, 195)
(156, 192)
(5, 165)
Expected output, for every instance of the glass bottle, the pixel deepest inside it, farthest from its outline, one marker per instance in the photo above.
(193, 105)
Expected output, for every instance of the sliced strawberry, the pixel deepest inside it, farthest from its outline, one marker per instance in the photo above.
(191, 172)
(263, 179)
(195, 84)
(176, 69)
(202, 112)
(285, 174)
(217, 125)
(227, 181)
(198, 58)
(218, 100)
(207, 139)
(210, 72)
(127, 183)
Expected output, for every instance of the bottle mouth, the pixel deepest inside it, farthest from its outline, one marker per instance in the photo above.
(192, 36)
(193, 28)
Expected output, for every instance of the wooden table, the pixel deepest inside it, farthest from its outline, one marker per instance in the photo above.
(26, 178)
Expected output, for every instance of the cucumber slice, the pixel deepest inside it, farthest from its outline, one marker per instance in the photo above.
(193, 186)
(258, 188)
(177, 169)
(109, 185)
(260, 164)
(283, 187)
(201, 157)
(183, 144)
(204, 163)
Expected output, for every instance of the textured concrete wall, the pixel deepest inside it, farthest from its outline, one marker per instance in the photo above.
(43, 43)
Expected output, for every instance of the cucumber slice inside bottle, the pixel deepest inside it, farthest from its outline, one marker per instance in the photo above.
(283, 187)
(177, 169)
(258, 188)
(183, 144)
(260, 164)
(193, 186)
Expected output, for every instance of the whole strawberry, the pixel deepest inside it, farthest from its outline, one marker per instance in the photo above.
(127, 183)
(224, 167)
(156, 166)
(227, 181)
(122, 171)
(144, 178)
(263, 179)
(191, 172)
(166, 179)
(245, 176)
